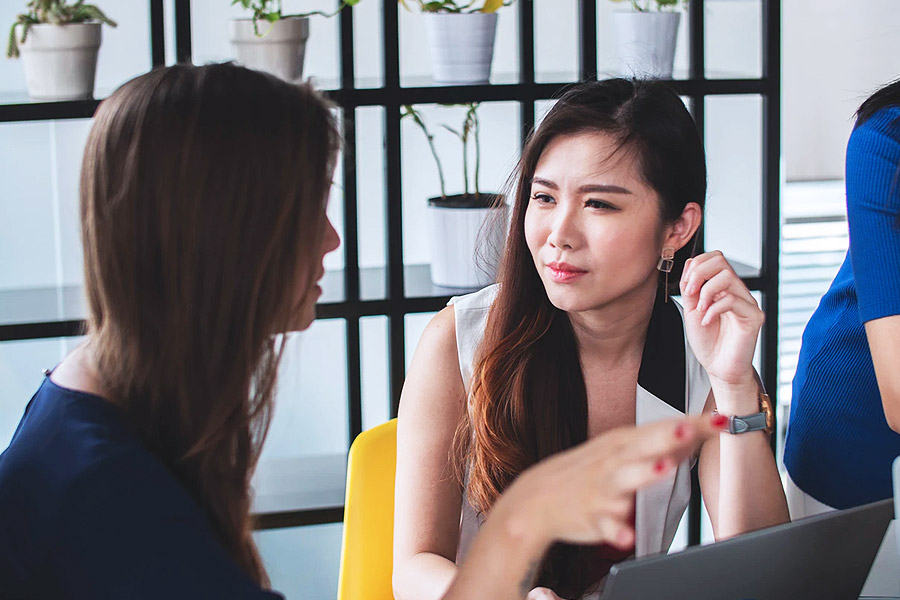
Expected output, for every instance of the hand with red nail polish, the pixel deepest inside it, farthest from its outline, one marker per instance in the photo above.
(585, 495)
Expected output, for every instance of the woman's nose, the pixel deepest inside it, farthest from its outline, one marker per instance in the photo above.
(564, 230)
(331, 240)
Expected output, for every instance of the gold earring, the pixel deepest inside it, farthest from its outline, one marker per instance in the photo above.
(666, 264)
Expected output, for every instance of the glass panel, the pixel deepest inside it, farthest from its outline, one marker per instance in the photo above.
(499, 141)
(415, 51)
(40, 222)
(541, 108)
(814, 244)
(209, 25)
(302, 562)
(733, 45)
(414, 326)
(304, 461)
(556, 40)
(610, 61)
(734, 159)
(376, 402)
(311, 401)
(368, 44)
(124, 52)
(21, 373)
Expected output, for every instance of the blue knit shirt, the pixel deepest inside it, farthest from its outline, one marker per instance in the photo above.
(86, 512)
(839, 447)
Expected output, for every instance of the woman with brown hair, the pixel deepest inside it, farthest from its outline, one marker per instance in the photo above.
(580, 337)
(203, 199)
(203, 196)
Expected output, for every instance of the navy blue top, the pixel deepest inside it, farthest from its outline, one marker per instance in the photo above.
(87, 512)
(839, 448)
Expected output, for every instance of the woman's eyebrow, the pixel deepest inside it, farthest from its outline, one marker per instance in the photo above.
(585, 189)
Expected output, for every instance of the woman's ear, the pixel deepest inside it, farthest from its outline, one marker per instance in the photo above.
(680, 232)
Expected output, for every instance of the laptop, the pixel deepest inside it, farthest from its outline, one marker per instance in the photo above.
(825, 556)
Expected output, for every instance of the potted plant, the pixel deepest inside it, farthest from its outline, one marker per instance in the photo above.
(646, 36)
(461, 37)
(272, 41)
(58, 42)
(465, 230)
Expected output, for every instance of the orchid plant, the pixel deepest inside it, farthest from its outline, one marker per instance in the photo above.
(468, 131)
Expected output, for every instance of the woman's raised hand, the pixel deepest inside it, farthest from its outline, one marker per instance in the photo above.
(583, 495)
(722, 319)
(586, 495)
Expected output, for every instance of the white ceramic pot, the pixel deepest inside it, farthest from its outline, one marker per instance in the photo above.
(462, 46)
(466, 244)
(60, 61)
(280, 49)
(646, 42)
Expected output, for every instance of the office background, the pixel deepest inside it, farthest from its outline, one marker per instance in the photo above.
(833, 54)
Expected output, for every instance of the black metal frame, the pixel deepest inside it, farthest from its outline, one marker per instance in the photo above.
(391, 95)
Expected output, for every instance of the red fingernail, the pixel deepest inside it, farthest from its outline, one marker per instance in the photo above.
(660, 465)
(681, 431)
(719, 420)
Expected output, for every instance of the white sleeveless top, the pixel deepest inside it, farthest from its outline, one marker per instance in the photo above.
(670, 380)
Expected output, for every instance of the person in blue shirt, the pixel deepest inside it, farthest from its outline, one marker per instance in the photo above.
(203, 197)
(845, 411)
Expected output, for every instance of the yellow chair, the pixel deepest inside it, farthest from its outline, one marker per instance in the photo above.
(367, 548)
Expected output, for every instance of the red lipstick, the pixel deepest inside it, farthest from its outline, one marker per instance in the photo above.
(561, 272)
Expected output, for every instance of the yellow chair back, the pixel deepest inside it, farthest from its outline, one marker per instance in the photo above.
(368, 544)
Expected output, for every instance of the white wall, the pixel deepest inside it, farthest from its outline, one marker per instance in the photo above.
(835, 53)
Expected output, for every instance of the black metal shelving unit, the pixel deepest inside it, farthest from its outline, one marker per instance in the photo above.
(398, 289)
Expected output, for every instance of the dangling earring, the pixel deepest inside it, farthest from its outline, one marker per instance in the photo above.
(666, 263)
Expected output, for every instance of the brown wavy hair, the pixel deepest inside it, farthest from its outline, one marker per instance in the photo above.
(527, 396)
(203, 194)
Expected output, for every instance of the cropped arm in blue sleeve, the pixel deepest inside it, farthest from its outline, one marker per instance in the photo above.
(873, 210)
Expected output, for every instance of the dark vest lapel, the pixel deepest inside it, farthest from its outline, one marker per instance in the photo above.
(662, 371)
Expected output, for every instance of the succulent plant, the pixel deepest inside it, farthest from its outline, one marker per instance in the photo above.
(53, 12)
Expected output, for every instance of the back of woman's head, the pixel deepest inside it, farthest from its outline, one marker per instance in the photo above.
(885, 96)
(203, 192)
(528, 398)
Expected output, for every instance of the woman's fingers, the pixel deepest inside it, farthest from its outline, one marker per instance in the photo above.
(676, 438)
(723, 282)
(740, 307)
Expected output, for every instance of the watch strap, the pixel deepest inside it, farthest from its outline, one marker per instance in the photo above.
(747, 423)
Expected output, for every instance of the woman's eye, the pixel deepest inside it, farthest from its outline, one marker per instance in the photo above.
(542, 198)
(599, 204)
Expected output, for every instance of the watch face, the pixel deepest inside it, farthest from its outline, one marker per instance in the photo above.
(765, 405)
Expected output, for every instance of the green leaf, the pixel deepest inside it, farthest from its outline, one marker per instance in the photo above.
(437, 6)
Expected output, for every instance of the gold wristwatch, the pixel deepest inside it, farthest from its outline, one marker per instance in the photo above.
(764, 420)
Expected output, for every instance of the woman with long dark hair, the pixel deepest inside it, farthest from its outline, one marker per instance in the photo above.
(844, 428)
(203, 198)
(580, 336)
